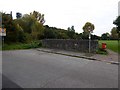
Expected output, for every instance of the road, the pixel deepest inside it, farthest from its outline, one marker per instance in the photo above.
(36, 69)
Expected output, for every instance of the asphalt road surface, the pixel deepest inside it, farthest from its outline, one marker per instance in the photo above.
(36, 69)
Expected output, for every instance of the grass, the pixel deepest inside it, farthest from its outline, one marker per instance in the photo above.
(18, 46)
(111, 44)
(101, 51)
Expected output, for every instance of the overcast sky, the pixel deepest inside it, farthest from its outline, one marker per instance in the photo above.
(65, 13)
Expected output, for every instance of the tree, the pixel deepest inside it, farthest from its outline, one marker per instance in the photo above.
(18, 15)
(20, 34)
(117, 23)
(23, 29)
(31, 26)
(37, 30)
(69, 29)
(72, 28)
(114, 34)
(49, 33)
(105, 36)
(71, 32)
(39, 17)
(95, 37)
(88, 27)
(79, 36)
(8, 23)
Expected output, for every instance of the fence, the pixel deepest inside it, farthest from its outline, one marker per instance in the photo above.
(71, 44)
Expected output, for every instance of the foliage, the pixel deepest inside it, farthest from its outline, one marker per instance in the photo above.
(88, 27)
(85, 35)
(16, 46)
(105, 36)
(20, 33)
(114, 33)
(38, 16)
(18, 15)
(71, 32)
(23, 29)
(117, 21)
(10, 25)
(95, 37)
(101, 51)
(49, 33)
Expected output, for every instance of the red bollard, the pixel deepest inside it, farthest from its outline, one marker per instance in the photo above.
(104, 45)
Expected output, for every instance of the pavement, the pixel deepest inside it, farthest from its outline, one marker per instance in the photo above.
(111, 58)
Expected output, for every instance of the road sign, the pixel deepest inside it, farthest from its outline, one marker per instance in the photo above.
(2, 31)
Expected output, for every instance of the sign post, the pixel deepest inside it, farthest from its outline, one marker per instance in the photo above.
(90, 31)
(89, 41)
(2, 34)
(2, 31)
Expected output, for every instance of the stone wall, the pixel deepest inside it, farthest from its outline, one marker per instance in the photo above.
(71, 44)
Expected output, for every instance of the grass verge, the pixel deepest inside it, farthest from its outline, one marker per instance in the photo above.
(17, 46)
(111, 44)
(101, 51)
